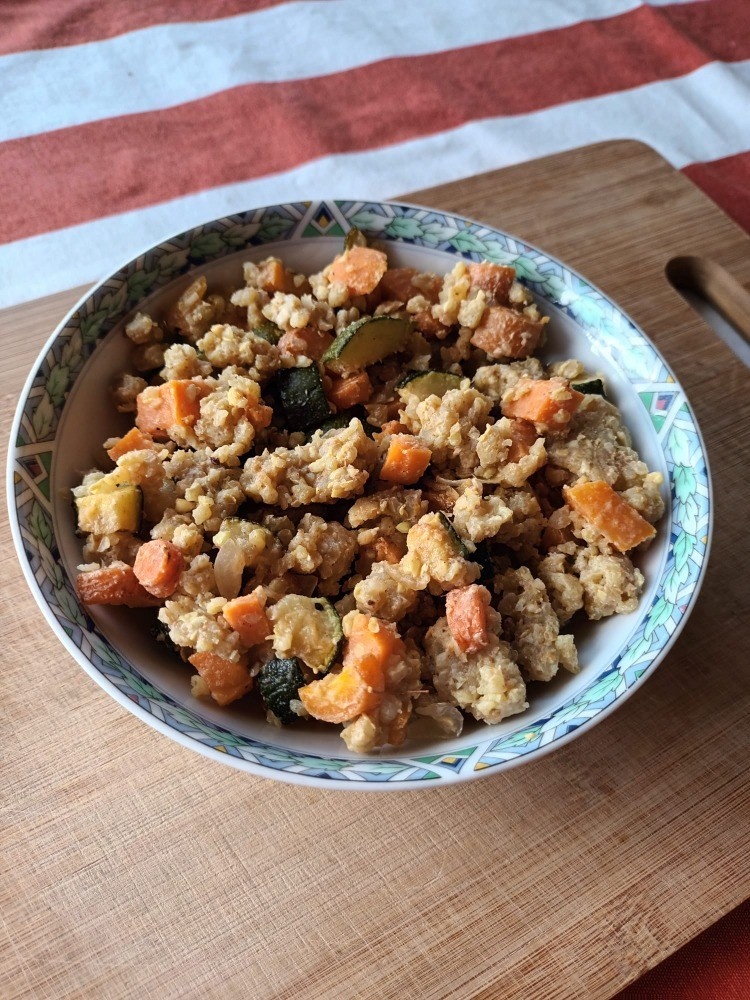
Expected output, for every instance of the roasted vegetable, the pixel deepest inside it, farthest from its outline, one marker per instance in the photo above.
(354, 238)
(366, 341)
(117, 509)
(268, 331)
(454, 536)
(406, 460)
(546, 402)
(590, 387)
(359, 686)
(615, 518)
(279, 682)
(429, 383)
(309, 628)
(303, 399)
(359, 268)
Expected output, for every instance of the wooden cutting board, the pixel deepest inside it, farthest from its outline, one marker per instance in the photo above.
(132, 867)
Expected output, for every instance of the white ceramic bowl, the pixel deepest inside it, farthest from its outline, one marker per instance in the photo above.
(64, 415)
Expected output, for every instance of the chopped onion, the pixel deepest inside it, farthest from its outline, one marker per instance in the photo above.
(228, 567)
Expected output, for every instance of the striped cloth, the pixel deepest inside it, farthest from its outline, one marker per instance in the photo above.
(122, 123)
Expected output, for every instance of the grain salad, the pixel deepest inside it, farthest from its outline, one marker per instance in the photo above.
(361, 497)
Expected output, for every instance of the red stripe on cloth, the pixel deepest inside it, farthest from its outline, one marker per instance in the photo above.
(40, 24)
(713, 966)
(73, 175)
(727, 181)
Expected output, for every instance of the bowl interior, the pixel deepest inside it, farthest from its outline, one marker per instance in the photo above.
(615, 653)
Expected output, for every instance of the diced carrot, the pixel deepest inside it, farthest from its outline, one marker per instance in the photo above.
(359, 268)
(495, 279)
(308, 341)
(523, 436)
(466, 612)
(227, 680)
(157, 566)
(346, 392)
(406, 460)
(176, 402)
(248, 618)
(358, 688)
(114, 584)
(134, 440)
(547, 402)
(274, 277)
(505, 333)
(614, 517)
(387, 551)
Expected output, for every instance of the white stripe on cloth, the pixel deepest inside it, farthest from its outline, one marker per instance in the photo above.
(167, 65)
(697, 117)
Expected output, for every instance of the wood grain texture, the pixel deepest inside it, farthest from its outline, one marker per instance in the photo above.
(131, 867)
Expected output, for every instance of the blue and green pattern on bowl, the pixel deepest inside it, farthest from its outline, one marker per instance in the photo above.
(587, 324)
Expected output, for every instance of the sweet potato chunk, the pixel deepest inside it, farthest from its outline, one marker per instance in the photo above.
(134, 440)
(274, 277)
(248, 618)
(505, 333)
(359, 268)
(114, 584)
(620, 523)
(346, 392)
(226, 680)
(545, 402)
(466, 613)
(308, 341)
(494, 279)
(174, 403)
(406, 460)
(398, 284)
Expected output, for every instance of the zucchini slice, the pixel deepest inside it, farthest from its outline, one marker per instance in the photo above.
(354, 238)
(302, 396)
(429, 383)
(268, 331)
(334, 423)
(343, 419)
(117, 509)
(590, 387)
(454, 536)
(308, 628)
(279, 681)
(366, 341)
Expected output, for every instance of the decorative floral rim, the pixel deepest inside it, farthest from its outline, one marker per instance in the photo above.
(617, 338)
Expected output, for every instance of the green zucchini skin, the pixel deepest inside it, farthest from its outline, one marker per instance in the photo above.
(454, 536)
(268, 331)
(279, 682)
(354, 238)
(337, 421)
(429, 383)
(303, 400)
(310, 629)
(367, 341)
(590, 387)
